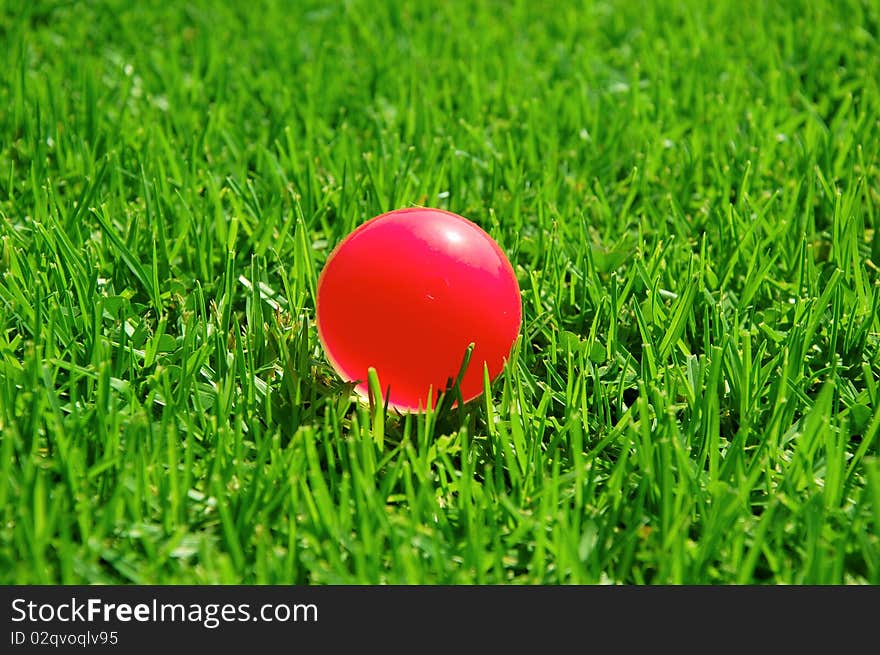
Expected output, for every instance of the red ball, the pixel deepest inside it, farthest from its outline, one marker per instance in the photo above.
(406, 293)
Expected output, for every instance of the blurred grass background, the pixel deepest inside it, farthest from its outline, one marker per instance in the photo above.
(688, 193)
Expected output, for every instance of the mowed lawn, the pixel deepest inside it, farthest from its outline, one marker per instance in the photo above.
(689, 195)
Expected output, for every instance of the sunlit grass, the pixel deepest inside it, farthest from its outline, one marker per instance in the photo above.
(688, 193)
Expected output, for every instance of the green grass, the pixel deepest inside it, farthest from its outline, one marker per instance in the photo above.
(689, 193)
